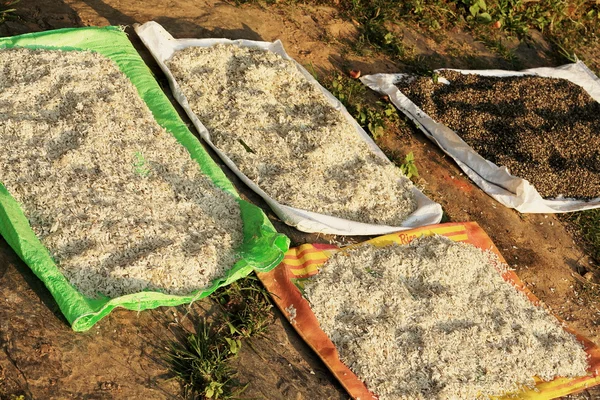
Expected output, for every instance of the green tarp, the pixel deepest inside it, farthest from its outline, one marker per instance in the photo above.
(263, 247)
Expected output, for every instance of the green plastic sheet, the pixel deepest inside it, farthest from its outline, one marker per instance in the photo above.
(263, 248)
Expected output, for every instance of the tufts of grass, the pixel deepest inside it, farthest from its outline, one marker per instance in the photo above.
(245, 306)
(569, 25)
(494, 43)
(516, 17)
(588, 224)
(201, 360)
(6, 9)
(430, 14)
(372, 17)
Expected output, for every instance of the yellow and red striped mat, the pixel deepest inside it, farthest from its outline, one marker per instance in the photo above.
(304, 261)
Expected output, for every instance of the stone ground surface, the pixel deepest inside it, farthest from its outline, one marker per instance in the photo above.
(42, 358)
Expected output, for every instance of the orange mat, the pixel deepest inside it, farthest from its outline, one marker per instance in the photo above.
(286, 281)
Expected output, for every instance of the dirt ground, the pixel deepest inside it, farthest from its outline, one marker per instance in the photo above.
(42, 358)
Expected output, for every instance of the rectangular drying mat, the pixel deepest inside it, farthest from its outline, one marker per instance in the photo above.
(285, 281)
(162, 46)
(262, 248)
(511, 191)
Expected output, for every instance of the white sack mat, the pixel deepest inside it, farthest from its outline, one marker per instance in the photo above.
(162, 47)
(511, 191)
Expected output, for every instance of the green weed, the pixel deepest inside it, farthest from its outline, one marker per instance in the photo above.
(588, 224)
(564, 53)
(408, 167)
(140, 165)
(569, 24)
(372, 17)
(476, 10)
(6, 10)
(514, 16)
(495, 44)
(564, 22)
(200, 361)
(511, 17)
(373, 117)
(245, 306)
(431, 14)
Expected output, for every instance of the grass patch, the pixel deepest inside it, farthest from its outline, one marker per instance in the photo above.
(7, 10)
(372, 16)
(494, 43)
(201, 359)
(554, 18)
(588, 225)
(569, 25)
(245, 306)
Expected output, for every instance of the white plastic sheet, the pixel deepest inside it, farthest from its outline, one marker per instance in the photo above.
(511, 191)
(162, 46)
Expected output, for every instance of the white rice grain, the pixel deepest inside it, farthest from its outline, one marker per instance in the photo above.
(283, 134)
(435, 320)
(118, 202)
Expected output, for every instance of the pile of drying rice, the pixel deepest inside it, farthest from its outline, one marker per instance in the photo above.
(544, 130)
(435, 320)
(282, 133)
(118, 202)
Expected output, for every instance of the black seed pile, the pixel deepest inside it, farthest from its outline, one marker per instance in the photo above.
(545, 130)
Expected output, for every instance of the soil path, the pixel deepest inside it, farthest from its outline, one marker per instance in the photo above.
(41, 358)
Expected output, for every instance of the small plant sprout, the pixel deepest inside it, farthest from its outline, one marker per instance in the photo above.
(408, 167)
(140, 165)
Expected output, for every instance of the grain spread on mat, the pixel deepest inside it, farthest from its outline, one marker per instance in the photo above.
(118, 202)
(545, 130)
(434, 319)
(282, 133)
